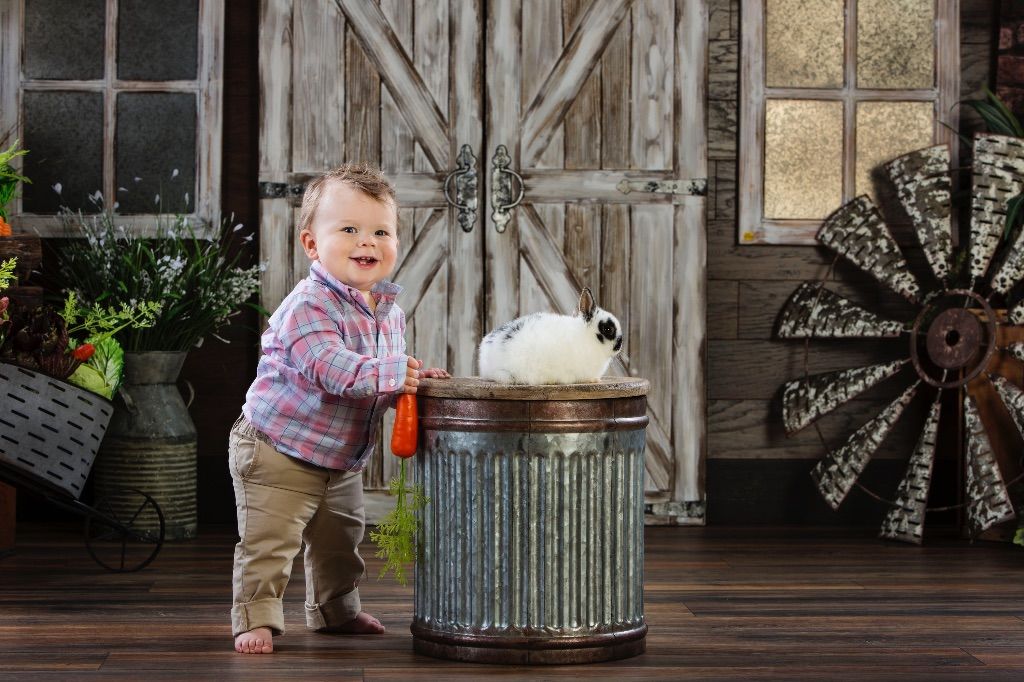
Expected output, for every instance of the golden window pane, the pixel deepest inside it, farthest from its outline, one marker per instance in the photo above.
(804, 44)
(886, 130)
(895, 44)
(803, 158)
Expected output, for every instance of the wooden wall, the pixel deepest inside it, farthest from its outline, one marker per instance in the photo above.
(754, 473)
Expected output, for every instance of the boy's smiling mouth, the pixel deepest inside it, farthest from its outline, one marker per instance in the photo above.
(365, 261)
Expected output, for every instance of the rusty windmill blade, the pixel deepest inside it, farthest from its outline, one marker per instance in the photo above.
(988, 501)
(814, 312)
(1012, 397)
(1017, 350)
(857, 232)
(839, 470)
(998, 175)
(923, 187)
(805, 400)
(905, 520)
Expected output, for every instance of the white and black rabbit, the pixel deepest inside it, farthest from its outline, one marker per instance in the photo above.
(548, 348)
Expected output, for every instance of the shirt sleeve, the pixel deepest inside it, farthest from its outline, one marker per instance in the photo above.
(316, 348)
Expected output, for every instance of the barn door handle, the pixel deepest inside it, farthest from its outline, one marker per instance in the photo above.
(465, 188)
(501, 188)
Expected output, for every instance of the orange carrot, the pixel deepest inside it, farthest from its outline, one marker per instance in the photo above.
(5, 228)
(403, 437)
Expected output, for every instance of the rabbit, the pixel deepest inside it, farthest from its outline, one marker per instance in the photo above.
(548, 348)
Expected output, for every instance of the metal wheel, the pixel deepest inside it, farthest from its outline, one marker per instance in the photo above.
(124, 543)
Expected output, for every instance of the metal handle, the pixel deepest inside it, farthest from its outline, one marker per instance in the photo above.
(465, 188)
(501, 188)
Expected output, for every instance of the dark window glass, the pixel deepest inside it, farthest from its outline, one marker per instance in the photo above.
(64, 40)
(64, 136)
(155, 152)
(157, 40)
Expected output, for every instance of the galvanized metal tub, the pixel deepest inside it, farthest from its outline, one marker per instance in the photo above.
(532, 545)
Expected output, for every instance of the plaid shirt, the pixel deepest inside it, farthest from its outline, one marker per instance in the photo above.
(330, 369)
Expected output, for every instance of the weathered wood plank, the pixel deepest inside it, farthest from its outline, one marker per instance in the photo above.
(391, 63)
(504, 73)
(725, 190)
(466, 284)
(722, 128)
(560, 88)
(723, 309)
(430, 59)
(723, 69)
(653, 87)
(598, 186)
(397, 144)
(616, 93)
(752, 429)
(650, 325)
(975, 59)
(318, 100)
(362, 103)
(745, 369)
(761, 301)
(541, 47)
(615, 263)
(276, 240)
(977, 20)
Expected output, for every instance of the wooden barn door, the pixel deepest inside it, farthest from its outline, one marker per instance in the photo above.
(395, 84)
(598, 105)
(599, 108)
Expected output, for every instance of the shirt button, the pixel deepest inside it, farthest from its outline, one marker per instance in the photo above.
(391, 382)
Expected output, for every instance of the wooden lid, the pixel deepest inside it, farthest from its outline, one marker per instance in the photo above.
(485, 389)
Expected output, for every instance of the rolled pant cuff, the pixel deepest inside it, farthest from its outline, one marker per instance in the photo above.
(259, 613)
(331, 614)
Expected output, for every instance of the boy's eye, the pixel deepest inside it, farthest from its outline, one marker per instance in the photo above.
(382, 233)
(349, 229)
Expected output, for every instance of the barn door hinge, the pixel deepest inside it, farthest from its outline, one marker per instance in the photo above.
(465, 188)
(281, 190)
(697, 187)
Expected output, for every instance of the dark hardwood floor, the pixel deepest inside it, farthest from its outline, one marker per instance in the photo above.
(721, 604)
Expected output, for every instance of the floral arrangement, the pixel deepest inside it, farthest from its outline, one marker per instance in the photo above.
(75, 344)
(6, 277)
(198, 281)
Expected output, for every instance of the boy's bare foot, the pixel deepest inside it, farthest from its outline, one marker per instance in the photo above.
(255, 641)
(363, 624)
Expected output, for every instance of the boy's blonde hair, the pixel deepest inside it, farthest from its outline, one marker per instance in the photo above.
(363, 177)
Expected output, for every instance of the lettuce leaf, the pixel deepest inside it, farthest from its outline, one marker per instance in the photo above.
(102, 372)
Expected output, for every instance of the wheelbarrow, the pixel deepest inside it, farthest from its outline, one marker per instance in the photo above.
(50, 431)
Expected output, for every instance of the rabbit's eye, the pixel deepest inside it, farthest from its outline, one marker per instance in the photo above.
(608, 329)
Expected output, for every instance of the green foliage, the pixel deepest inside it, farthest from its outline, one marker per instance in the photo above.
(9, 178)
(396, 534)
(996, 116)
(198, 281)
(7, 272)
(101, 323)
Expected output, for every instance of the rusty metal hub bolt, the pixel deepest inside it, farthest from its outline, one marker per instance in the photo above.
(960, 339)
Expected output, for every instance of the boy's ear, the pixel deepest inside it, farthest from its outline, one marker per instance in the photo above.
(308, 243)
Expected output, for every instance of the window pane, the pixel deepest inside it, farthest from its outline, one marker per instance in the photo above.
(804, 43)
(64, 44)
(64, 136)
(803, 158)
(156, 152)
(157, 40)
(886, 130)
(895, 44)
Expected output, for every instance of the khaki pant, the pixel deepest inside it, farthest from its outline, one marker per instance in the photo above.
(282, 503)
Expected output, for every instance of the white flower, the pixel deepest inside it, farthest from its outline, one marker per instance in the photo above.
(174, 173)
(237, 227)
(57, 188)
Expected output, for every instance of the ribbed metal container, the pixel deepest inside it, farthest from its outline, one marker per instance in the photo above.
(151, 444)
(532, 545)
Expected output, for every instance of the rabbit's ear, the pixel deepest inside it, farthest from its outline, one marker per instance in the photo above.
(587, 304)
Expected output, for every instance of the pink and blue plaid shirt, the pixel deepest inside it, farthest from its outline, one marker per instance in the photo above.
(330, 369)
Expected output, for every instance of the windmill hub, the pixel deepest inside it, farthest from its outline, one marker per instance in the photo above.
(954, 338)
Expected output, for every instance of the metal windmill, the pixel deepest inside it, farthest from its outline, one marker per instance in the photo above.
(949, 342)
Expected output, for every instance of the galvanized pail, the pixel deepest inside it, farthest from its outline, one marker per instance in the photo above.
(532, 545)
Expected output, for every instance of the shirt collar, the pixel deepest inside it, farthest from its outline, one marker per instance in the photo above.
(386, 290)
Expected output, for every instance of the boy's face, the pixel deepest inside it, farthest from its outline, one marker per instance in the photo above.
(354, 236)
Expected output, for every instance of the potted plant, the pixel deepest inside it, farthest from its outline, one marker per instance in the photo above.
(200, 283)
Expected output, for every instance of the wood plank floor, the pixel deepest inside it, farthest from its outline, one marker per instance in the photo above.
(721, 604)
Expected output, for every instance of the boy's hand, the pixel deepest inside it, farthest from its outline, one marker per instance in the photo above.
(412, 376)
(434, 373)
